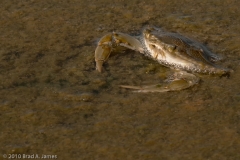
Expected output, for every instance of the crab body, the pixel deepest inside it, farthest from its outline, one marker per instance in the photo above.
(176, 51)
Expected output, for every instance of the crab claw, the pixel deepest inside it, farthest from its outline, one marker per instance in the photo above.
(103, 51)
(111, 40)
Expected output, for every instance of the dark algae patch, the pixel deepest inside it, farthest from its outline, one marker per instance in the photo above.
(54, 103)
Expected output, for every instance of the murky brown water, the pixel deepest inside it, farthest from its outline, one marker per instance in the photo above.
(52, 101)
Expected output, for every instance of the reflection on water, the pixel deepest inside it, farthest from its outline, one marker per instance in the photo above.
(54, 102)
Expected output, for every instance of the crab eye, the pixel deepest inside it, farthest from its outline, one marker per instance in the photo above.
(170, 48)
(146, 34)
(147, 30)
(152, 36)
(153, 46)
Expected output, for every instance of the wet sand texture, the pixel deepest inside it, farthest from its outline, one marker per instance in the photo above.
(53, 101)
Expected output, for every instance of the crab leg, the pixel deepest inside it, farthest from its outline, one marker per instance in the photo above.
(111, 40)
(128, 41)
(181, 80)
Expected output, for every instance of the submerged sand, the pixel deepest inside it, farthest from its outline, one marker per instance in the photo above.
(53, 101)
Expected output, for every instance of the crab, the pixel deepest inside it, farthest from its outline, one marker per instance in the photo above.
(172, 50)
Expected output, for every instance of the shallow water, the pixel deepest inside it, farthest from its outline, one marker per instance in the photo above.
(53, 101)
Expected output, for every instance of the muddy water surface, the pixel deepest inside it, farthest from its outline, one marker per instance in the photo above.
(53, 101)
